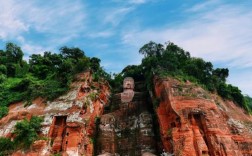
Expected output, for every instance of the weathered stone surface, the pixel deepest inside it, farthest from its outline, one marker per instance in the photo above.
(129, 130)
(192, 123)
(69, 121)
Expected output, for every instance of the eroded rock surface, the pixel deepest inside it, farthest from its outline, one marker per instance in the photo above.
(129, 129)
(69, 121)
(193, 123)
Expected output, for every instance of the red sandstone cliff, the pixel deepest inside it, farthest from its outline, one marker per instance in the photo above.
(69, 121)
(194, 122)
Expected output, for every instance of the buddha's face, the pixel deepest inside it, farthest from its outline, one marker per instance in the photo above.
(128, 83)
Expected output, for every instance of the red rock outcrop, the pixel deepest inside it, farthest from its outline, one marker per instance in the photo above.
(194, 122)
(69, 121)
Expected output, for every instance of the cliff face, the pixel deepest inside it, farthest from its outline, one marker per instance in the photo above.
(128, 130)
(69, 121)
(193, 122)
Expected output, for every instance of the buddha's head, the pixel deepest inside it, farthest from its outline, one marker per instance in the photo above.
(128, 83)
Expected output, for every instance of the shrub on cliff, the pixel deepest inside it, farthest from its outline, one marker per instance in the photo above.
(231, 92)
(2, 78)
(3, 111)
(3, 69)
(6, 146)
(248, 103)
(26, 132)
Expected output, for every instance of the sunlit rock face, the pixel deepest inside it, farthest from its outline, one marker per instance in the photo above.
(194, 122)
(129, 129)
(176, 118)
(69, 121)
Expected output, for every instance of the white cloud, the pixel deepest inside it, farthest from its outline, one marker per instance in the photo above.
(137, 1)
(101, 34)
(222, 35)
(21, 39)
(64, 17)
(10, 24)
(60, 19)
(32, 49)
(203, 6)
(131, 1)
(115, 16)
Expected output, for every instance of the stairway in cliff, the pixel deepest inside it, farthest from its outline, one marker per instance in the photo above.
(128, 130)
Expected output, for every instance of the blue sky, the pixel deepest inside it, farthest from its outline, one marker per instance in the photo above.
(219, 31)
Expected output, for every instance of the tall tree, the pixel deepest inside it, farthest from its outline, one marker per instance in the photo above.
(74, 53)
(152, 49)
(14, 53)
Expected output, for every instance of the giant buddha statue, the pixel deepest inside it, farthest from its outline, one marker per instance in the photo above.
(127, 130)
(128, 90)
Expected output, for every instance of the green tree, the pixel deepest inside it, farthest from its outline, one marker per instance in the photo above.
(95, 63)
(3, 58)
(14, 53)
(2, 78)
(3, 69)
(248, 103)
(174, 61)
(26, 132)
(82, 64)
(6, 146)
(74, 53)
(152, 49)
(3, 111)
(65, 71)
(221, 74)
(133, 71)
(40, 66)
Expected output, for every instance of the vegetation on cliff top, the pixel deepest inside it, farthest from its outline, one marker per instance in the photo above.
(171, 60)
(46, 76)
(50, 75)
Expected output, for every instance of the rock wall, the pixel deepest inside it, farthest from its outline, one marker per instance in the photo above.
(194, 122)
(191, 121)
(128, 130)
(69, 121)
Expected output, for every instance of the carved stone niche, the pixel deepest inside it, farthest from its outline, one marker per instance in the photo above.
(128, 90)
(56, 132)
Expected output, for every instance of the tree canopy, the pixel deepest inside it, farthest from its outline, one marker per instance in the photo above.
(48, 75)
(171, 60)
